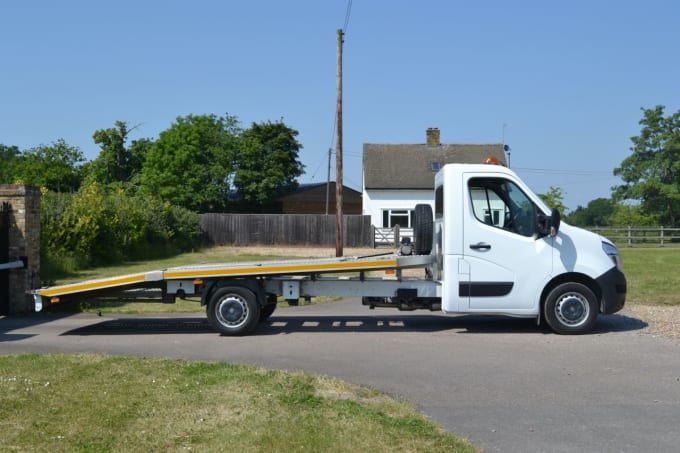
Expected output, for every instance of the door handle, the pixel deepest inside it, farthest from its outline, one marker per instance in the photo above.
(480, 246)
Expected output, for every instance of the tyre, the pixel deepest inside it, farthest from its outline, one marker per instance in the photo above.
(233, 311)
(571, 308)
(266, 311)
(423, 229)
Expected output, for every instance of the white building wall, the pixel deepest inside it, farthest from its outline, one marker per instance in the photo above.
(375, 201)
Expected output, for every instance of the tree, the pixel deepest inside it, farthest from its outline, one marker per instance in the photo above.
(626, 215)
(598, 212)
(56, 167)
(267, 165)
(116, 162)
(651, 174)
(8, 157)
(554, 199)
(190, 163)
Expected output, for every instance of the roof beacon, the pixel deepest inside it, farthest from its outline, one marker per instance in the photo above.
(491, 160)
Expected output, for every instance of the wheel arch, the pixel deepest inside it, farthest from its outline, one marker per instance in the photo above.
(571, 277)
(251, 284)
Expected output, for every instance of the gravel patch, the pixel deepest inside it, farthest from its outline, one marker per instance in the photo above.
(661, 319)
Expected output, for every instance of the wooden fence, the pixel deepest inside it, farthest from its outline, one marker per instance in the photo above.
(629, 236)
(640, 236)
(285, 229)
(319, 229)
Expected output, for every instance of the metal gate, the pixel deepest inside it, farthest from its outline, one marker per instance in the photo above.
(6, 266)
(4, 257)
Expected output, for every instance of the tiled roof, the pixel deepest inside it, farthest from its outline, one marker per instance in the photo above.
(414, 166)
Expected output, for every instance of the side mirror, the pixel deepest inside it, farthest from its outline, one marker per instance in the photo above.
(548, 225)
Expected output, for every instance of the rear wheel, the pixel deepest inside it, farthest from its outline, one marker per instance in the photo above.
(233, 311)
(267, 310)
(571, 308)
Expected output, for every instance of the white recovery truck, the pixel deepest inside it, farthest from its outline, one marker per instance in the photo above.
(490, 246)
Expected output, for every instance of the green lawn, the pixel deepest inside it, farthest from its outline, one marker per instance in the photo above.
(653, 275)
(94, 403)
(207, 255)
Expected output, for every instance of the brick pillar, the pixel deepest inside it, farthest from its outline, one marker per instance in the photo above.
(24, 244)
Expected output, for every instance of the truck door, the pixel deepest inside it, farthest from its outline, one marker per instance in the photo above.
(507, 262)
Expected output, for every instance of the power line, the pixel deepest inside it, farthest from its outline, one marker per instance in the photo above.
(564, 172)
(347, 14)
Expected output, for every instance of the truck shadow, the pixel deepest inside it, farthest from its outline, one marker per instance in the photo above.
(22, 321)
(461, 324)
(277, 325)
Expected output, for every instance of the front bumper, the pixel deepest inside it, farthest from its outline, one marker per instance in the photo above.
(613, 286)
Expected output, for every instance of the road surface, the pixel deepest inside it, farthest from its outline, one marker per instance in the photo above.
(503, 383)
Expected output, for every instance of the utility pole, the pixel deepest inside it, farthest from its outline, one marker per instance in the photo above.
(328, 180)
(338, 152)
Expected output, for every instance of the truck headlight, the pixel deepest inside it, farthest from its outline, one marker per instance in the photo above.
(613, 253)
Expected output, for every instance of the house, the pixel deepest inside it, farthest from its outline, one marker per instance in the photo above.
(311, 199)
(397, 177)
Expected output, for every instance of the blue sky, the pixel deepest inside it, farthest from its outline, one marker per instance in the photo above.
(562, 83)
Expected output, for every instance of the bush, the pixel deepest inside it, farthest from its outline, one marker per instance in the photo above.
(109, 224)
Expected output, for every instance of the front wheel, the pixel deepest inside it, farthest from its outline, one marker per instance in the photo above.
(233, 311)
(571, 308)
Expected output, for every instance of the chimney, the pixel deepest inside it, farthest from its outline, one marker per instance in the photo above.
(433, 136)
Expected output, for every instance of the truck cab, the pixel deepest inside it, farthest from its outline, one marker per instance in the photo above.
(500, 250)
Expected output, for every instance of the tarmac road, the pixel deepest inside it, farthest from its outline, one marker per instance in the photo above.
(503, 383)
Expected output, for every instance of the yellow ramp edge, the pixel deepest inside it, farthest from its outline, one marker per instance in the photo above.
(291, 267)
(278, 269)
(103, 283)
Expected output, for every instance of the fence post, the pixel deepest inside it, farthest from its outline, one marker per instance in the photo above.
(629, 236)
(661, 236)
(396, 235)
(372, 236)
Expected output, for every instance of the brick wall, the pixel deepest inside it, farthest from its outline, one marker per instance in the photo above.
(24, 243)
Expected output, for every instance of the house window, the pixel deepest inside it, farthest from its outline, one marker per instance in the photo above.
(493, 217)
(435, 166)
(401, 217)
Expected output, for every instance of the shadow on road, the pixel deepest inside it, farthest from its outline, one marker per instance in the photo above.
(277, 325)
(16, 322)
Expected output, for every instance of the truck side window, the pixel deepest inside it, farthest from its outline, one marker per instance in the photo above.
(500, 203)
(439, 202)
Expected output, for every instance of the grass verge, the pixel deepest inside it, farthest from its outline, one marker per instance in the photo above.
(652, 275)
(99, 403)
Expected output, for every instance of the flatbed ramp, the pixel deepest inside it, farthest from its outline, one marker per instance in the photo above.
(158, 278)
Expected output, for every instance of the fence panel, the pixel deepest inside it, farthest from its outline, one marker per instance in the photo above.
(629, 236)
(640, 236)
(313, 229)
(284, 229)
